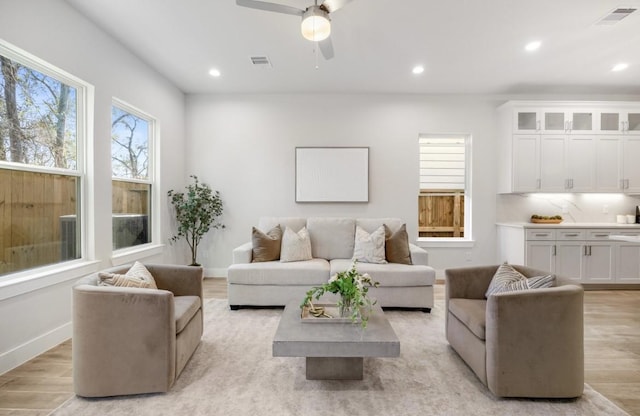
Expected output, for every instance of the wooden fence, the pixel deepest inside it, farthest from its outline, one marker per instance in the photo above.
(441, 213)
(32, 208)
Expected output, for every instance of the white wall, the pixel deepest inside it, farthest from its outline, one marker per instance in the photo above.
(244, 146)
(36, 318)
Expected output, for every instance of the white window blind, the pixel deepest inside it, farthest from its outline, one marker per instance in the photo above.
(442, 163)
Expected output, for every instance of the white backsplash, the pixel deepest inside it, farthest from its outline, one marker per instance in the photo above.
(574, 208)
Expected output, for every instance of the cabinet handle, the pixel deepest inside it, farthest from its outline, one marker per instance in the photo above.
(621, 183)
(626, 184)
(626, 126)
(538, 125)
(571, 183)
(584, 250)
(553, 250)
(589, 250)
(542, 235)
(572, 235)
(601, 235)
(538, 183)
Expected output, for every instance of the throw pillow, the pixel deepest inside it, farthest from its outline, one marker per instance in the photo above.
(396, 245)
(538, 282)
(136, 276)
(369, 248)
(266, 247)
(295, 246)
(506, 279)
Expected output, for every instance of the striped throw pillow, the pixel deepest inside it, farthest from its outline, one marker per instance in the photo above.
(136, 276)
(538, 282)
(508, 279)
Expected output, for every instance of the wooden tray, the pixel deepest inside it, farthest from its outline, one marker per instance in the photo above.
(541, 221)
(330, 309)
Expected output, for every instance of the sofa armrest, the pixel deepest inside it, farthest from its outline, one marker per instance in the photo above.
(180, 280)
(539, 333)
(418, 255)
(136, 326)
(243, 254)
(468, 282)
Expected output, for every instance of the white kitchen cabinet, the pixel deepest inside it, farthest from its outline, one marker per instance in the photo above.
(585, 255)
(563, 146)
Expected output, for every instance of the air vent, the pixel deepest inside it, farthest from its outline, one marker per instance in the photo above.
(261, 61)
(615, 16)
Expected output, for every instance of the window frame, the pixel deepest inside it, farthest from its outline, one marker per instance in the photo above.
(123, 255)
(467, 240)
(84, 132)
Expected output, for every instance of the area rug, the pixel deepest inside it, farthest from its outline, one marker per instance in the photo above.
(233, 373)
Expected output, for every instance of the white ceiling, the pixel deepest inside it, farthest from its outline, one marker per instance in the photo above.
(466, 46)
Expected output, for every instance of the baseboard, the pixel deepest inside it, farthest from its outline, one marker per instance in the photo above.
(215, 272)
(31, 349)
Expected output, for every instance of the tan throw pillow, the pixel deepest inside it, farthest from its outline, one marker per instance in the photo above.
(136, 276)
(396, 245)
(369, 248)
(266, 247)
(295, 246)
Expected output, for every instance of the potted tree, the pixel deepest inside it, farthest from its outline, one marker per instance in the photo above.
(197, 211)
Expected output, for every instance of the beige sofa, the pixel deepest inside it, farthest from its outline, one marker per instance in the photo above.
(332, 244)
(527, 343)
(131, 340)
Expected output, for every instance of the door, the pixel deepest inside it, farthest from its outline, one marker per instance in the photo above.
(569, 262)
(580, 163)
(526, 163)
(552, 163)
(599, 262)
(541, 255)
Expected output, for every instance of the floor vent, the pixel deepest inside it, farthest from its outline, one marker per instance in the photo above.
(261, 61)
(615, 16)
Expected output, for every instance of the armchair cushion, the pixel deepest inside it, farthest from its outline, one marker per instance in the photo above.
(185, 307)
(472, 313)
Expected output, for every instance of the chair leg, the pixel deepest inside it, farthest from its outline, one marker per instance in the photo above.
(234, 307)
(426, 310)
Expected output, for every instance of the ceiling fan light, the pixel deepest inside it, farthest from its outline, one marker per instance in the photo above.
(315, 24)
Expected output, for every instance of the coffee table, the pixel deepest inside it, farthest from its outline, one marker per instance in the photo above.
(334, 351)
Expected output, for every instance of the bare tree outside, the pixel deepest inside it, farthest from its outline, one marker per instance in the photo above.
(129, 145)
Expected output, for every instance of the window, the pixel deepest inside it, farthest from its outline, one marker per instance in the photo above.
(131, 144)
(443, 201)
(42, 111)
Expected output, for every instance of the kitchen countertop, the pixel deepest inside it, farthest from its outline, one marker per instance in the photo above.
(564, 224)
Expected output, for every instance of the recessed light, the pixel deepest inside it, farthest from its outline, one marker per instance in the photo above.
(532, 46)
(620, 67)
(418, 69)
(214, 72)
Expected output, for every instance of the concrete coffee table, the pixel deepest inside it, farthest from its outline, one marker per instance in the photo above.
(334, 351)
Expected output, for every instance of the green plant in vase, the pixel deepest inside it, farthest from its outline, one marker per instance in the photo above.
(352, 287)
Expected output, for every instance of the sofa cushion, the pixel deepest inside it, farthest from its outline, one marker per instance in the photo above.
(369, 248)
(396, 245)
(472, 313)
(295, 223)
(185, 307)
(266, 246)
(295, 246)
(310, 272)
(390, 274)
(332, 237)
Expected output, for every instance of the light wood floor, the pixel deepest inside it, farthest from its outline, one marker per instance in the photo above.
(612, 357)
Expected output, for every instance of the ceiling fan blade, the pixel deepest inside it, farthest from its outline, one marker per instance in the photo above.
(333, 5)
(326, 47)
(270, 7)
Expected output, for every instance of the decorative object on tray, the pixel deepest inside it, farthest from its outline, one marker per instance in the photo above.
(352, 288)
(324, 313)
(543, 219)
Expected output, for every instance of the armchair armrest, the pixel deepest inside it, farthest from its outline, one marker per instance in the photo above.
(539, 333)
(468, 282)
(135, 325)
(243, 254)
(180, 280)
(418, 255)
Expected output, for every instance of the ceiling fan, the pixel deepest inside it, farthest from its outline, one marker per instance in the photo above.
(316, 23)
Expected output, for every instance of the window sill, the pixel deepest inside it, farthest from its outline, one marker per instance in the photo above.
(444, 243)
(30, 280)
(131, 254)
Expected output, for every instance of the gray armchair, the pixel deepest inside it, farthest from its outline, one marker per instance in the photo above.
(130, 340)
(520, 344)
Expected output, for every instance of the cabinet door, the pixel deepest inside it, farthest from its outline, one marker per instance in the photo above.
(569, 262)
(527, 121)
(599, 262)
(552, 163)
(541, 255)
(526, 163)
(580, 163)
(610, 122)
(608, 164)
(631, 164)
(554, 121)
(628, 263)
(581, 121)
(631, 122)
